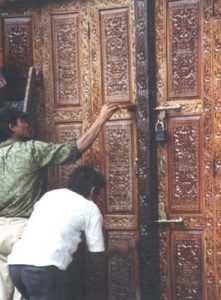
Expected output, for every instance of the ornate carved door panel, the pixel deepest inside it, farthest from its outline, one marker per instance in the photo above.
(66, 70)
(20, 37)
(112, 48)
(86, 50)
(188, 74)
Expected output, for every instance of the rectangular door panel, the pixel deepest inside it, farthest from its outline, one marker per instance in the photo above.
(184, 65)
(119, 166)
(184, 159)
(115, 51)
(187, 258)
(18, 53)
(66, 59)
(66, 132)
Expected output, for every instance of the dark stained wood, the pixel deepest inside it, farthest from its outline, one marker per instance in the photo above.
(18, 54)
(146, 165)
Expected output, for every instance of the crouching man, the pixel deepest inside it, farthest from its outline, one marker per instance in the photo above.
(39, 259)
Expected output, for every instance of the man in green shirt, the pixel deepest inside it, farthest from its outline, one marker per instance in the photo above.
(22, 181)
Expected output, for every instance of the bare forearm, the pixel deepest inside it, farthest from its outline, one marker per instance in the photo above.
(88, 138)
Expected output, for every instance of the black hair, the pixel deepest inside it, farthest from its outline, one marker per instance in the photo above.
(5, 131)
(84, 178)
(9, 115)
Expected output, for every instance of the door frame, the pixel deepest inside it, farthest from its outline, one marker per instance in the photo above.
(147, 153)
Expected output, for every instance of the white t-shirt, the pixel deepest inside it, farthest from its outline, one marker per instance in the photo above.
(54, 230)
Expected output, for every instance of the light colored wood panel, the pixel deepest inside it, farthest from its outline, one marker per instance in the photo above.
(119, 158)
(120, 222)
(63, 133)
(115, 51)
(66, 58)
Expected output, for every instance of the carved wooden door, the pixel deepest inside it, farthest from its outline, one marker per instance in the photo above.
(86, 51)
(188, 74)
(93, 63)
(113, 80)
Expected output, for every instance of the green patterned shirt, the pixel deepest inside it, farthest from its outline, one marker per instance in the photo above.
(23, 172)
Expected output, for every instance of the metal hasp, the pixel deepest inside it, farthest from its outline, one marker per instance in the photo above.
(176, 107)
(163, 216)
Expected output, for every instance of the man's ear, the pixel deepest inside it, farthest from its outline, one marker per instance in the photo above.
(11, 126)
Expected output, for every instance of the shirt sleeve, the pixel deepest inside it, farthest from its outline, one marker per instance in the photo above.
(94, 232)
(50, 154)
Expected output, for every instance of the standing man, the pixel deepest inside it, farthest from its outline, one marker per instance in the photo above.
(39, 259)
(22, 175)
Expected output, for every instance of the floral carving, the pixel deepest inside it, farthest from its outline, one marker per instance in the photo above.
(66, 59)
(66, 132)
(187, 278)
(115, 55)
(119, 166)
(184, 45)
(120, 222)
(185, 164)
(18, 54)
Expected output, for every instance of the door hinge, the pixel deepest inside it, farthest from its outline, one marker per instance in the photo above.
(88, 30)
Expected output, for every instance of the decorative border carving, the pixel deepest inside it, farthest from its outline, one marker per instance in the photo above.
(208, 88)
(214, 140)
(120, 222)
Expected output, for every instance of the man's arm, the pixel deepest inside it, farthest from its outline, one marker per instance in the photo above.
(88, 138)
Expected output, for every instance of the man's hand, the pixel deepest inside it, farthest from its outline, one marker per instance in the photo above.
(88, 138)
(107, 110)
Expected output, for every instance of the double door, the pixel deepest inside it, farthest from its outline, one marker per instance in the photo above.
(86, 52)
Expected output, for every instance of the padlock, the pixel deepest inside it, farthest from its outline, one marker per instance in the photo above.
(160, 133)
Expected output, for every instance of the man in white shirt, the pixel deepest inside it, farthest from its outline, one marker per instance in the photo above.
(39, 259)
